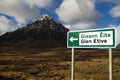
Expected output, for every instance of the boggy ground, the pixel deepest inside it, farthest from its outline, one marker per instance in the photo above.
(55, 64)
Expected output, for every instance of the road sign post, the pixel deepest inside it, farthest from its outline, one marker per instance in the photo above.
(110, 64)
(98, 38)
(73, 66)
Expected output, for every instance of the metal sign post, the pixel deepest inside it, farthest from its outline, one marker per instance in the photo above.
(110, 64)
(73, 66)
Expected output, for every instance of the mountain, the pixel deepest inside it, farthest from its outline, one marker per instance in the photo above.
(44, 33)
(118, 47)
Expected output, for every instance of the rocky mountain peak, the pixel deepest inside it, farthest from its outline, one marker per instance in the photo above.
(45, 22)
(45, 17)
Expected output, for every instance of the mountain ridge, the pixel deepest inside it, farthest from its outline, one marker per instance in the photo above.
(118, 46)
(44, 32)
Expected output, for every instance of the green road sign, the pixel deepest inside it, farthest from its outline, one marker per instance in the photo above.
(98, 38)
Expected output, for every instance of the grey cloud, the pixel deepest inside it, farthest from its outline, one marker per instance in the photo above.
(76, 12)
(21, 10)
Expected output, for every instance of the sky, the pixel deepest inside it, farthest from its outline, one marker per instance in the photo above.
(73, 14)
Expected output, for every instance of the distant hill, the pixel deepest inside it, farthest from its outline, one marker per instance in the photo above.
(118, 47)
(44, 33)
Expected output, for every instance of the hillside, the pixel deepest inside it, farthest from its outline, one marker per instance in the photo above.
(44, 32)
(118, 47)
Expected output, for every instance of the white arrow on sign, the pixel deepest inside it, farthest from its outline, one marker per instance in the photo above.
(73, 39)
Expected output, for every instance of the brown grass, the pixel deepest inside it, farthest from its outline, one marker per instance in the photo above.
(36, 64)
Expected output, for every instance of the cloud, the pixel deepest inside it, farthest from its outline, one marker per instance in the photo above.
(117, 33)
(21, 10)
(81, 26)
(39, 3)
(6, 25)
(78, 12)
(115, 12)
